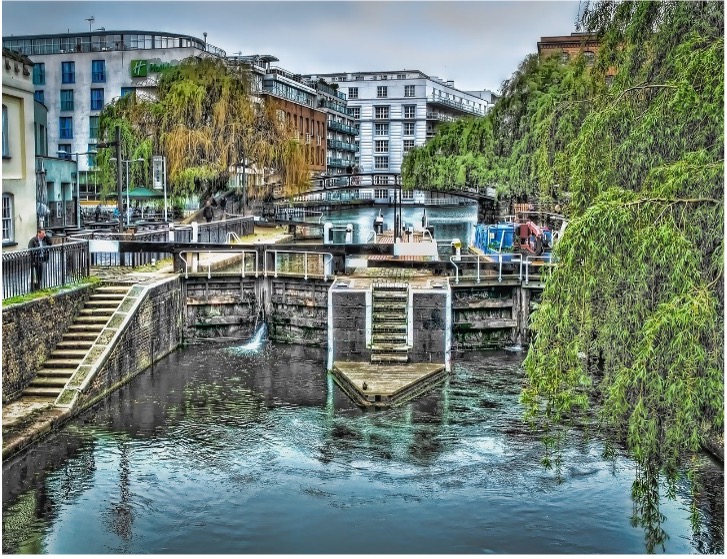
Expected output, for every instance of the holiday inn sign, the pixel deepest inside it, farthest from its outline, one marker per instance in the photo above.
(142, 68)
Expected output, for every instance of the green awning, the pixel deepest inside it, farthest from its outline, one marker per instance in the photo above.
(143, 192)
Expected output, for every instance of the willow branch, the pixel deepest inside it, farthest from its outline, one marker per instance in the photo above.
(642, 87)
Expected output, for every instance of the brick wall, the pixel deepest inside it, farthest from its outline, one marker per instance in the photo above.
(31, 331)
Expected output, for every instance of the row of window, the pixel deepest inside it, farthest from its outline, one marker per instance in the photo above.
(382, 92)
(68, 72)
(383, 129)
(65, 127)
(382, 146)
(67, 104)
(67, 98)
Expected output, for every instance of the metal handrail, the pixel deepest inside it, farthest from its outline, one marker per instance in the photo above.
(305, 261)
(547, 258)
(477, 258)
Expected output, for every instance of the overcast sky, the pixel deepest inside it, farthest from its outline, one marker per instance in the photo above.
(478, 44)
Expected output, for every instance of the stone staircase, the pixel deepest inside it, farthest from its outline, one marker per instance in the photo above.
(389, 322)
(80, 337)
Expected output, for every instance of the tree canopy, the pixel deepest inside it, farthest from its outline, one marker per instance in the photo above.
(205, 120)
(632, 318)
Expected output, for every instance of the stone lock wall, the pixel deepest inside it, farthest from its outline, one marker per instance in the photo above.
(429, 325)
(154, 330)
(31, 331)
(298, 311)
(221, 307)
(349, 326)
(486, 316)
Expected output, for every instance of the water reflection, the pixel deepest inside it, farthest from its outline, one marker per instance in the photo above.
(219, 452)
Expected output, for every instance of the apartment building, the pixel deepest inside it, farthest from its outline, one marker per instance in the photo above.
(397, 110)
(76, 74)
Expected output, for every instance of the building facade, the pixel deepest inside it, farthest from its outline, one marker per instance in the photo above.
(569, 46)
(76, 74)
(18, 137)
(397, 110)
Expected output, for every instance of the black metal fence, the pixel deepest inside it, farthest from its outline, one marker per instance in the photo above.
(223, 231)
(25, 271)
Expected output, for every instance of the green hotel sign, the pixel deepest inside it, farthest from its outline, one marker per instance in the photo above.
(142, 68)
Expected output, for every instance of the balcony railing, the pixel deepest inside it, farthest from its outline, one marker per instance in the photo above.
(337, 144)
(440, 116)
(455, 105)
(333, 105)
(335, 125)
(334, 162)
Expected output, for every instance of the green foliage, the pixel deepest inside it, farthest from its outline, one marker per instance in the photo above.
(205, 121)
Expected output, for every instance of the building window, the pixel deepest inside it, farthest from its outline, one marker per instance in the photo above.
(39, 74)
(91, 156)
(39, 96)
(564, 56)
(68, 72)
(64, 151)
(381, 192)
(408, 91)
(410, 111)
(96, 99)
(354, 112)
(8, 229)
(93, 127)
(382, 91)
(408, 145)
(590, 57)
(381, 162)
(127, 91)
(381, 130)
(401, 77)
(381, 112)
(381, 146)
(6, 146)
(408, 129)
(407, 194)
(65, 126)
(379, 179)
(353, 92)
(98, 71)
(66, 99)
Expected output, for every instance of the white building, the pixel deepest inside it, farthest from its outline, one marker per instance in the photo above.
(18, 137)
(398, 110)
(76, 74)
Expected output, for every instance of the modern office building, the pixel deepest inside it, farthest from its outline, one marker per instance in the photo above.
(397, 110)
(76, 74)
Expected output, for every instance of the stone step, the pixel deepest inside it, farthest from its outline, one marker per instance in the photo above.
(391, 295)
(75, 343)
(379, 340)
(64, 353)
(104, 303)
(92, 311)
(65, 373)
(43, 392)
(92, 320)
(389, 348)
(61, 363)
(389, 358)
(113, 289)
(381, 327)
(48, 382)
(389, 316)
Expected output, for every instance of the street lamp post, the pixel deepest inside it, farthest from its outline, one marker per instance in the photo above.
(128, 202)
(78, 186)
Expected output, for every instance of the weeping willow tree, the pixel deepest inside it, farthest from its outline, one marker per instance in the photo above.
(206, 121)
(633, 317)
(519, 145)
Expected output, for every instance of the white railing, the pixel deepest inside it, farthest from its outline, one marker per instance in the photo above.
(532, 260)
(485, 261)
(307, 272)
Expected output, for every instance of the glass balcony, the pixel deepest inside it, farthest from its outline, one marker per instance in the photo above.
(457, 105)
(440, 116)
(338, 107)
(334, 125)
(343, 163)
(337, 144)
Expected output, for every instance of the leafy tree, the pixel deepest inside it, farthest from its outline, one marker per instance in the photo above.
(633, 316)
(205, 120)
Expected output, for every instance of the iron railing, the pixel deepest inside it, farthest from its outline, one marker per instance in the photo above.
(60, 264)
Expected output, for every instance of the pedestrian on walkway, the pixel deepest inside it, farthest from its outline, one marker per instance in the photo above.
(208, 213)
(223, 205)
(38, 256)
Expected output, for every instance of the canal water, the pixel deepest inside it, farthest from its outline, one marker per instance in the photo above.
(220, 449)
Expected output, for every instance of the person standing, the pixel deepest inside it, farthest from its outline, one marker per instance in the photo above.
(223, 206)
(208, 213)
(97, 213)
(38, 256)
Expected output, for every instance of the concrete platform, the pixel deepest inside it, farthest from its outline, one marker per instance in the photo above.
(386, 385)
